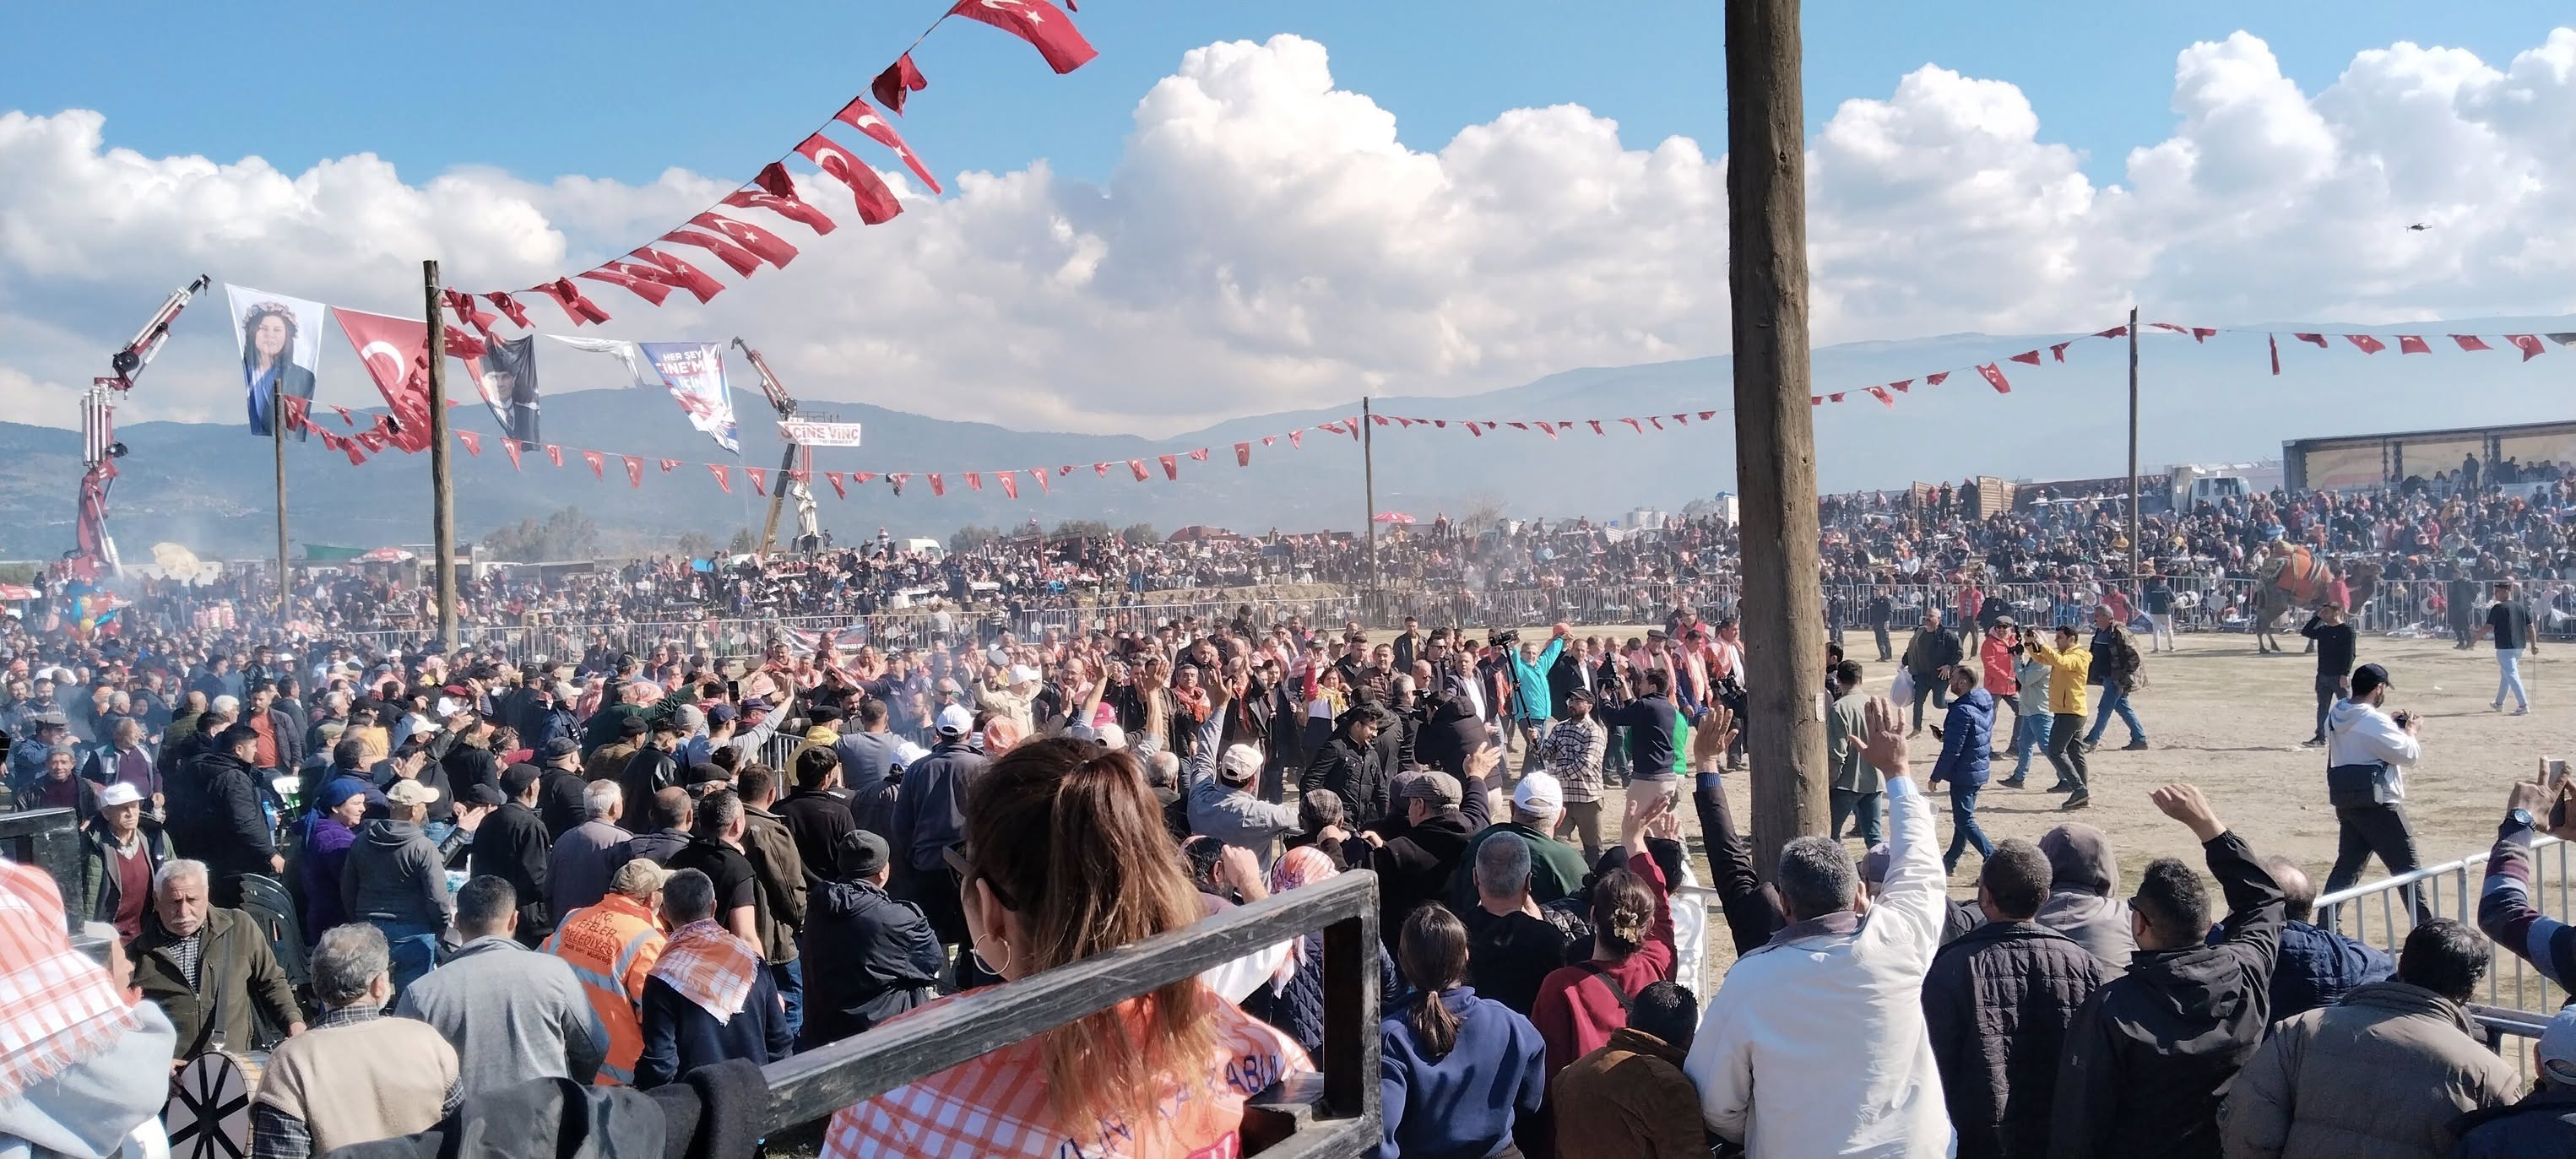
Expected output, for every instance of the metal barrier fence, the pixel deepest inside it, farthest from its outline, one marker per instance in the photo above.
(2381, 914)
(1335, 1114)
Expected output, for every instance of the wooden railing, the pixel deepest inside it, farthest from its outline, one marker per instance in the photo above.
(1334, 1114)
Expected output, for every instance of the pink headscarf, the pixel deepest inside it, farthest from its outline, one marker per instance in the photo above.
(1304, 865)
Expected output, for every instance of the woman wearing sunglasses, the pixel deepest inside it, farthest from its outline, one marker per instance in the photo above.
(1066, 857)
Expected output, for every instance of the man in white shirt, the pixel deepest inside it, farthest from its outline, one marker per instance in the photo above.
(2367, 755)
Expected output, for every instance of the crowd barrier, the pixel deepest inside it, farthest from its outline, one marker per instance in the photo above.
(2381, 914)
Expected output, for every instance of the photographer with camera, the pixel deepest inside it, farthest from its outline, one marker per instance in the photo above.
(2367, 754)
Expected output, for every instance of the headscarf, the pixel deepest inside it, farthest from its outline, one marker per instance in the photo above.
(63, 1009)
(710, 966)
(1304, 865)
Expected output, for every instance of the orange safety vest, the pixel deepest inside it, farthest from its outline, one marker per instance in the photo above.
(611, 947)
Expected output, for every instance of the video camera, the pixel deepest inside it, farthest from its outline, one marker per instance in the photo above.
(1502, 637)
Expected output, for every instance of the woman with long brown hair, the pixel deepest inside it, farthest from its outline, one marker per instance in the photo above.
(1457, 1070)
(1066, 857)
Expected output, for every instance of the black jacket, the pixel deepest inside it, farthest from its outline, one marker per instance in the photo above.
(2151, 1054)
(1933, 649)
(512, 845)
(868, 957)
(1414, 865)
(817, 820)
(1563, 677)
(1353, 772)
(2543, 1123)
(1452, 735)
(647, 772)
(1997, 1002)
(680, 1036)
(215, 815)
(468, 765)
(561, 804)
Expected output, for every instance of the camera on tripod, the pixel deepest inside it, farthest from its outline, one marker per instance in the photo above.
(1502, 637)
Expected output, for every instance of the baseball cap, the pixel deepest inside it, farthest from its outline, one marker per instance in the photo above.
(121, 793)
(954, 720)
(906, 753)
(2369, 677)
(1539, 792)
(1240, 764)
(721, 714)
(409, 793)
(1109, 735)
(1023, 674)
(2558, 1047)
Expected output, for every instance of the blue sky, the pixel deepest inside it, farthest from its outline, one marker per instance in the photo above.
(625, 90)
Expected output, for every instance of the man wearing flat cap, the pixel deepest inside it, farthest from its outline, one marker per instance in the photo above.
(869, 955)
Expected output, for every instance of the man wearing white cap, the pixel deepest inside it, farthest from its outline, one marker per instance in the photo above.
(120, 851)
(929, 816)
(2544, 1122)
(1223, 805)
(1008, 692)
(1556, 868)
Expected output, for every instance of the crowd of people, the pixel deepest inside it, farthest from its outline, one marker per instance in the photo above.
(445, 895)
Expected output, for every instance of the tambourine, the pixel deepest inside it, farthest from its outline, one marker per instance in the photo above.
(208, 1115)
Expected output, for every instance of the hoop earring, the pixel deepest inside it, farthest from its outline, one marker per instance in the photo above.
(975, 950)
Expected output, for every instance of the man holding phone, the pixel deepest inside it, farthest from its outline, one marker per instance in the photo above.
(2367, 754)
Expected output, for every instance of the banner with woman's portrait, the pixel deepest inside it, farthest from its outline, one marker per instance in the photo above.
(281, 345)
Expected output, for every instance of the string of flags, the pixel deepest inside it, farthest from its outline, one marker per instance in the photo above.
(654, 271)
(370, 433)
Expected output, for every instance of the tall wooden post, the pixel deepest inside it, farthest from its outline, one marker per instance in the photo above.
(2135, 583)
(1368, 490)
(442, 493)
(1775, 438)
(277, 450)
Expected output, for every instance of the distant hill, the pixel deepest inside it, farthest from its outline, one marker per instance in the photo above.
(208, 486)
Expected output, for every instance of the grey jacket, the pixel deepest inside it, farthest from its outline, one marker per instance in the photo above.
(1238, 818)
(512, 1014)
(2380, 1076)
(2083, 899)
(395, 873)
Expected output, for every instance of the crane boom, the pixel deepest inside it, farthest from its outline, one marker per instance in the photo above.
(786, 406)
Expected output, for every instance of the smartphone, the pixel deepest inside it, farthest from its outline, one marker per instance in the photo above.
(2553, 772)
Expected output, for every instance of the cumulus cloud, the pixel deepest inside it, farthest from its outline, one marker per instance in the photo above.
(1268, 240)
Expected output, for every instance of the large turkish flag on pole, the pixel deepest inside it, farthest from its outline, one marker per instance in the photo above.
(1038, 22)
(394, 351)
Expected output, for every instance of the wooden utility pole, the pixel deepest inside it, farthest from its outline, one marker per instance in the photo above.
(2133, 453)
(1775, 438)
(277, 449)
(1368, 491)
(442, 493)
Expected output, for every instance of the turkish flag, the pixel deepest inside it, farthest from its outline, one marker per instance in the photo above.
(858, 114)
(512, 446)
(2114, 332)
(1657, 421)
(1171, 467)
(392, 349)
(897, 83)
(1038, 22)
(1836, 396)
(1039, 473)
(863, 476)
(1137, 466)
(598, 464)
(2030, 357)
(1100, 469)
(1243, 454)
(346, 418)
(2367, 344)
(462, 345)
(1380, 420)
(834, 478)
(743, 261)
(670, 465)
(724, 478)
(555, 453)
(938, 486)
(473, 443)
(1995, 376)
(786, 205)
(2529, 344)
(769, 246)
(877, 204)
(1010, 483)
(1596, 426)
(647, 284)
(462, 304)
(896, 481)
(1815, 400)
(2275, 341)
(1476, 429)
(974, 480)
(2471, 342)
(2201, 333)
(2168, 326)
(1901, 385)
(1632, 425)
(759, 477)
(682, 274)
(507, 305)
(1336, 428)
(2317, 340)
(568, 296)
(2057, 350)
(1066, 469)
(2411, 344)
(634, 471)
(1934, 378)
(1880, 393)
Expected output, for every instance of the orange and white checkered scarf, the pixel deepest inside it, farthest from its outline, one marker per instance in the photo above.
(708, 965)
(57, 1007)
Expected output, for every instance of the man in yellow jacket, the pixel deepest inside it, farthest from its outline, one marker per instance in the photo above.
(611, 947)
(2068, 663)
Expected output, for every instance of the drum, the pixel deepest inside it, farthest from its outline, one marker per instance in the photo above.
(208, 1115)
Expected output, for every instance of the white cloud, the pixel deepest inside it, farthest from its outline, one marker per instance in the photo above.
(1268, 241)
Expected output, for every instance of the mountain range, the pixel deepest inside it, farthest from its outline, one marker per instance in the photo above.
(2215, 399)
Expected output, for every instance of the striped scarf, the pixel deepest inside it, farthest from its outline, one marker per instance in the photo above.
(708, 965)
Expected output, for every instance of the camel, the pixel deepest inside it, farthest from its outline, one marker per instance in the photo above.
(2280, 596)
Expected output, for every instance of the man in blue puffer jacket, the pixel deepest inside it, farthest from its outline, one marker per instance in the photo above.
(2316, 966)
(1965, 738)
